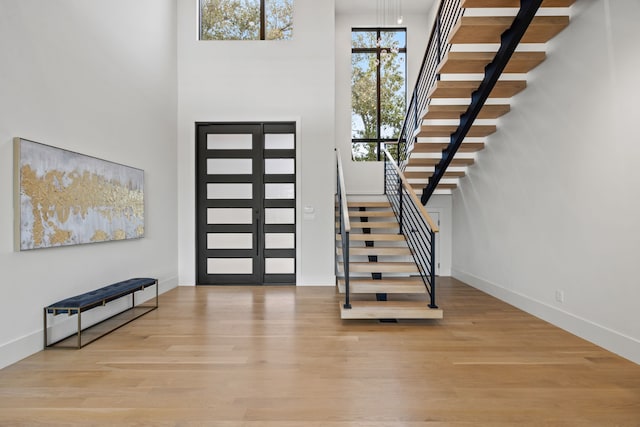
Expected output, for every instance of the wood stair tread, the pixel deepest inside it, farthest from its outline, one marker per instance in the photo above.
(371, 214)
(389, 281)
(378, 251)
(426, 174)
(476, 131)
(389, 310)
(417, 188)
(372, 287)
(365, 204)
(437, 147)
(488, 29)
(488, 111)
(380, 267)
(373, 224)
(373, 237)
(464, 88)
(475, 62)
(418, 162)
(469, 4)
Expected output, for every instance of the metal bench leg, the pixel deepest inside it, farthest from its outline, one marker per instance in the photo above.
(79, 328)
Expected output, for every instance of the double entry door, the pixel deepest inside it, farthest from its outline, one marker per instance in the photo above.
(246, 203)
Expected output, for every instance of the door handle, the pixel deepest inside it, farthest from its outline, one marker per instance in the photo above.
(256, 217)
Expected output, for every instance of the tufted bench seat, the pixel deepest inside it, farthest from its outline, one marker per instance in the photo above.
(78, 304)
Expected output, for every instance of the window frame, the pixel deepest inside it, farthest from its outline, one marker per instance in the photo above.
(379, 140)
(262, 31)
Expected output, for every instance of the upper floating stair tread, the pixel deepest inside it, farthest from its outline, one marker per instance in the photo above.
(443, 112)
(395, 285)
(475, 62)
(424, 175)
(469, 4)
(377, 251)
(437, 147)
(380, 267)
(373, 237)
(372, 224)
(428, 131)
(371, 214)
(417, 188)
(366, 204)
(488, 29)
(414, 161)
(464, 88)
(389, 310)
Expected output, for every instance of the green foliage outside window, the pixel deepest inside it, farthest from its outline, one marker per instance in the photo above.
(241, 19)
(378, 91)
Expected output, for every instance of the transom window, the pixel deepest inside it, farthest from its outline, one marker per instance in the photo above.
(378, 90)
(246, 19)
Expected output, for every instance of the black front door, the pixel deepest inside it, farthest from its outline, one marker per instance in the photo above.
(245, 203)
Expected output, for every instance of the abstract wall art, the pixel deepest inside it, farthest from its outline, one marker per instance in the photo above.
(64, 198)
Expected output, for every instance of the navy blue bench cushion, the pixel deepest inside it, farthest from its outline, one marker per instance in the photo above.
(98, 296)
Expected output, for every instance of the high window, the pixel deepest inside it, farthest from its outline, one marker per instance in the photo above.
(246, 19)
(378, 90)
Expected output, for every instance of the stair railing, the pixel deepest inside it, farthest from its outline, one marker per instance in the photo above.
(345, 226)
(415, 223)
(509, 40)
(448, 14)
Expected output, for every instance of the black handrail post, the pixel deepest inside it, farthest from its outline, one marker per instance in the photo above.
(415, 111)
(439, 39)
(345, 258)
(384, 189)
(400, 196)
(432, 273)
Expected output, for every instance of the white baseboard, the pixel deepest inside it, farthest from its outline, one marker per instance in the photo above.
(604, 337)
(32, 343)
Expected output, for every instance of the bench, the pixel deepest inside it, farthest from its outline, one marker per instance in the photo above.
(97, 298)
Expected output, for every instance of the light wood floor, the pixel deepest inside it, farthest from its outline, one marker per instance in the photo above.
(280, 357)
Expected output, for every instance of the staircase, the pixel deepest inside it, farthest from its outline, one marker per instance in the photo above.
(385, 282)
(467, 39)
(477, 60)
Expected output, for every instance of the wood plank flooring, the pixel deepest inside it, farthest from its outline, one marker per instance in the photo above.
(281, 357)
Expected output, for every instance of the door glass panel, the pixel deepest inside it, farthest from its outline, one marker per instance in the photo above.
(229, 241)
(279, 166)
(229, 191)
(242, 141)
(279, 266)
(279, 240)
(279, 191)
(279, 216)
(279, 141)
(229, 216)
(229, 265)
(229, 166)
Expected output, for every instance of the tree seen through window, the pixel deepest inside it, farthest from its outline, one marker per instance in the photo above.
(246, 19)
(378, 90)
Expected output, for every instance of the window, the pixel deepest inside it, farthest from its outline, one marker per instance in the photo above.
(246, 19)
(378, 90)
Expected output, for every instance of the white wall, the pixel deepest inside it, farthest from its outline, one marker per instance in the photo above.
(552, 203)
(100, 80)
(264, 81)
(367, 177)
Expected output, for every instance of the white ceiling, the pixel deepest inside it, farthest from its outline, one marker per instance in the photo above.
(349, 6)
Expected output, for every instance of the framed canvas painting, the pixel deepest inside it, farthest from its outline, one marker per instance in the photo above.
(64, 198)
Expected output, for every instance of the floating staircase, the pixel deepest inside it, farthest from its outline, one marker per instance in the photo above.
(469, 46)
(384, 281)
